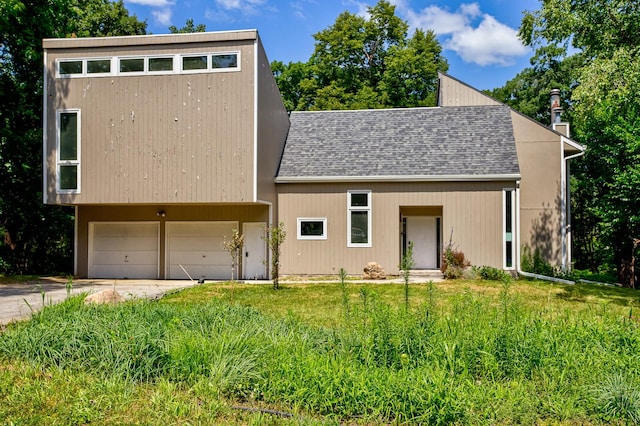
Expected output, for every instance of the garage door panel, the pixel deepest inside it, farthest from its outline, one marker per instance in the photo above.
(198, 247)
(135, 244)
(107, 243)
(197, 242)
(199, 257)
(124, 250)
(107, 257)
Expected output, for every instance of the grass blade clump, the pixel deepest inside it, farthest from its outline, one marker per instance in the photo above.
(477, 355)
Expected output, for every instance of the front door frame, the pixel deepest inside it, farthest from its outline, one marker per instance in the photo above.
(404, 240)
(254, 264)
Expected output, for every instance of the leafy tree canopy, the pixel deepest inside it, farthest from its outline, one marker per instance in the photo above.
(37, 238)
(189, 27)
(364, 63)
(605, 103)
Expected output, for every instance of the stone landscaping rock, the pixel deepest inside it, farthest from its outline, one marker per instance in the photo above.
(104, 297)
(373, 271)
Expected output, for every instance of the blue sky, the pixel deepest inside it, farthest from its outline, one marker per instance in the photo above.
(479, 37)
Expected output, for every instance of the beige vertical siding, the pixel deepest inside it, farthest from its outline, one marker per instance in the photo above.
(539, 158)
(539, 155)
(185, 138)
(455, 93)
(273, 126)
(148, 213)
(471, 214)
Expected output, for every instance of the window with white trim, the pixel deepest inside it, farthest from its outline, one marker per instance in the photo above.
(508, 228)
(83, 67)
(148, 64)
(68, 151)
(210, 62)
(312, 228)
(359, 219)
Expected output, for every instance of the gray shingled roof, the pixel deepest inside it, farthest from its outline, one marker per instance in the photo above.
(473, 141)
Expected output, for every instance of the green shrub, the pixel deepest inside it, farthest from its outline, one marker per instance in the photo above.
(492, 274)
(453, 262)
(535, 263)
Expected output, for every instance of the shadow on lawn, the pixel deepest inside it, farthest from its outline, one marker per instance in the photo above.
(590, 292)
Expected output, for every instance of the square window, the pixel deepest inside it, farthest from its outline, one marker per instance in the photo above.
(160, 64)
(132, 65)
(190, 63)
(69, 67)
(99, 66)
(359, 200)
(229, 60)
(68, 177)
(312, 228)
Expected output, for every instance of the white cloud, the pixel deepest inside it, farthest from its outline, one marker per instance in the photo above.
(488, 42)
(217, 16)
(244, 6)
(298, 10)
(161, 10)
(162, 16)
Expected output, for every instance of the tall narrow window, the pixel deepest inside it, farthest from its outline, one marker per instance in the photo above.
(508, 228)
(359, 219)
(68, 151)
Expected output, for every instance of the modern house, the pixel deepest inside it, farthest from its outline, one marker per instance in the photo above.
(164, 144)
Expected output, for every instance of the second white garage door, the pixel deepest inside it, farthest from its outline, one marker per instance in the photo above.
(198, 247)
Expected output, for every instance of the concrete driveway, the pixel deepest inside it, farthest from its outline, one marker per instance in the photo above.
(17, 300)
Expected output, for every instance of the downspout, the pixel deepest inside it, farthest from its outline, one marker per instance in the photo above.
(566, 232)
(517, 233)
(566, 250)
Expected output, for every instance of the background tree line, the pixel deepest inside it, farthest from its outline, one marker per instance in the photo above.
(589, 50)
(585, 48)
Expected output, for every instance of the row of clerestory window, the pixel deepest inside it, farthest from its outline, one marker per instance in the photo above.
(137, 65)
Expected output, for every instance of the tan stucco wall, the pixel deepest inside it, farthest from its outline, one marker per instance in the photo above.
(179, 138)
(540, 158)
(273, 126)
(473, 211)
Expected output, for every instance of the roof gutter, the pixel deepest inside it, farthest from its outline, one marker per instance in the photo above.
(391, 178)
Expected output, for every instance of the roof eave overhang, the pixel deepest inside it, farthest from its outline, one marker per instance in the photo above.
(416, 178)
(572, 146)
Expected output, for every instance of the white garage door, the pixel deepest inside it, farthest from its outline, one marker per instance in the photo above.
(124, 250)
(198, 247)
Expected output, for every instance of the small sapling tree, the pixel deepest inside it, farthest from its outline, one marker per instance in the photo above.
(275, 237)
(234, 247)
(406, 264)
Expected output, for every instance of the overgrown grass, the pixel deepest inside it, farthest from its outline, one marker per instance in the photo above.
(473, 352)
